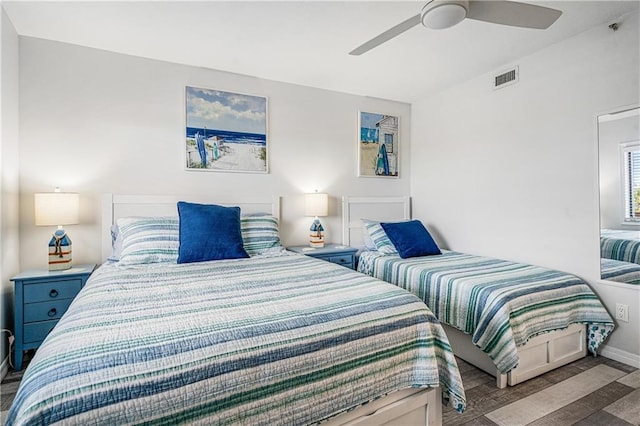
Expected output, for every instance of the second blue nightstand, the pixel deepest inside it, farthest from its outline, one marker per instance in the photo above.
(334, 253)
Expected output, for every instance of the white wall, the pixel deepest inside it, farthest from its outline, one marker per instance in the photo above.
(9, 238)
(512, 173)
(95, 122)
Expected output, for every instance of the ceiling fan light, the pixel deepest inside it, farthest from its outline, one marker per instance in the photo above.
(443, 16)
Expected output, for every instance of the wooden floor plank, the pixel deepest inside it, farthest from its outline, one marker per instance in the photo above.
(632, 380)
(584, 407)
(627, 408)
(539, 404)
(602, 418)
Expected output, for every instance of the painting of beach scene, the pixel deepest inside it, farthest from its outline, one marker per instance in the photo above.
(225, 131)
(378, 145)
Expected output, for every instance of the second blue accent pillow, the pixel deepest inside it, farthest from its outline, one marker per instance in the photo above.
(411, 239)
(209, 232)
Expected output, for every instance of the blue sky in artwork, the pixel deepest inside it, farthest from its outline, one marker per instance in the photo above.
(220, 110)
(368, 120)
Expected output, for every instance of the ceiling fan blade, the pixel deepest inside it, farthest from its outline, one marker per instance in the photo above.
(513, 13)
(387, 35)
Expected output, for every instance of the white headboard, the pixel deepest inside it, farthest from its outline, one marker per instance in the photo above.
(115, 206)
(373, 208)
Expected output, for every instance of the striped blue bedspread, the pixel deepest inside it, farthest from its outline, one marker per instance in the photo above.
(622, 272)
(622, 249)
(501, 304)
(274, 340)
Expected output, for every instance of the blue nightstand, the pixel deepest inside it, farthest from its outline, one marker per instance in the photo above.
(334, 253)
(40, 298)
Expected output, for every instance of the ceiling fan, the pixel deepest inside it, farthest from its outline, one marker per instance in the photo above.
(440, 14)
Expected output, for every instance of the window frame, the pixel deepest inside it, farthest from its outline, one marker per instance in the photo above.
(629, 215)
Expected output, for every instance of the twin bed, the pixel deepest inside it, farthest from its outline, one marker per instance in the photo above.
(620, 255)
(273, 338)
(513, 320)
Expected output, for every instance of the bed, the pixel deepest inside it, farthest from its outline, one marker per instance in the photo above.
(621, 245)
(620, 255)
(512, 320)
(273, 338)
(619, 271)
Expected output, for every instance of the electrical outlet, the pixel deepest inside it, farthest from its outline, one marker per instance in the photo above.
(622, 312)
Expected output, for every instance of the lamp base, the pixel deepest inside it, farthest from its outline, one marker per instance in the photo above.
(316, 235)
(315, 243)
(59, 251)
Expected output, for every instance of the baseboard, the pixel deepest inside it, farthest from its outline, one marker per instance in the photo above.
(621, 356)
(4, 367)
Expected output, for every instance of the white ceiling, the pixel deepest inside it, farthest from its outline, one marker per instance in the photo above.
(306, 42)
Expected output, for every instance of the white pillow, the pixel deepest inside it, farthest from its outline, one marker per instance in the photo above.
(149, 239)
(260, 234)
(116, 243)
(366, 238)
(379, 237)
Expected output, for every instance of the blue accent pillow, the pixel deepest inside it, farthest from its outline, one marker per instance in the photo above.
(411, 239)
(209, 232)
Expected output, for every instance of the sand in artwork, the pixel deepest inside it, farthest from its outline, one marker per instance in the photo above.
(228, 156)
(368, 158)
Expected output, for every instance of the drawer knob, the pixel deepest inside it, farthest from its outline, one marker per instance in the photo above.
(52, 312)
(53, 293)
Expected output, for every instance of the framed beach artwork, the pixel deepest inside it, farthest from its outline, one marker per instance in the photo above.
(225, 131)
(378, 145)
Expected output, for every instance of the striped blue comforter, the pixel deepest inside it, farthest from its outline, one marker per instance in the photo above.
(501, 304)
(622, 272)
(274, 340)
(624, 250)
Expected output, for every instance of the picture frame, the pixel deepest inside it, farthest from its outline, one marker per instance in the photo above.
(378, 145)
(225, 131)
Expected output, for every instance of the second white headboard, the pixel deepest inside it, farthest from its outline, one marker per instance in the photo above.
(373, 208)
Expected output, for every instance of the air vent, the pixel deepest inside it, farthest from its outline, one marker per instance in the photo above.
(505, 78)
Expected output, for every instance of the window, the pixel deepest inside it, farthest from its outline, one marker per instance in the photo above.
(631, 181)
(388, 141)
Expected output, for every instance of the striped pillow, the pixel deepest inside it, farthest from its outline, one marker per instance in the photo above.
(149, 239)
(260, 234)
(379, 237)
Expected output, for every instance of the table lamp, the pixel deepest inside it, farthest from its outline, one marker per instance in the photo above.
(316, 204)
(57, 209)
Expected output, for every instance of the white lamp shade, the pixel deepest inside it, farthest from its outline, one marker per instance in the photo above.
(57, 208)
(316, 204)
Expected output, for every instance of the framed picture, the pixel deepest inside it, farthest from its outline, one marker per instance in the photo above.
(225, 131)
(378, 145)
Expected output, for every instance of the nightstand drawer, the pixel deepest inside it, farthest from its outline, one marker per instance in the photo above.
(334, 253)
(342, 260)
(44, 311)
(37, 331)
(50, 290)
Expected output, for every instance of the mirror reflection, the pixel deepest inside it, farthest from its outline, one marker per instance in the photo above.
(619, 156)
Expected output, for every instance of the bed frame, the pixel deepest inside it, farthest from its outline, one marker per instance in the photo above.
(407, 407)
(411, 407)
(539, 355)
